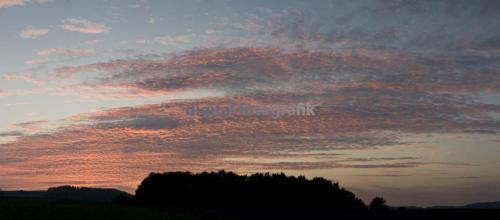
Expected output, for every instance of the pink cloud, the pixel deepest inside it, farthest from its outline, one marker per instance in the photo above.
(11, 3)
(83, 26)
(173, 40)
(65, 52)
(31, 32)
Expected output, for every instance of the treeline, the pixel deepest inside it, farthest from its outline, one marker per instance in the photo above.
(85, 194)
(227, 189)
(65, 193)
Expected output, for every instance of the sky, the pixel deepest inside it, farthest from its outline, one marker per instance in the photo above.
(405, 94)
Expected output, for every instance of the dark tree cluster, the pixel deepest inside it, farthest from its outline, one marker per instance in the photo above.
(378, 205)
(227, 189)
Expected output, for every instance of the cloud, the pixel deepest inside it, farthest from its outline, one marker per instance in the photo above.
(178, 41)
(169, 40)
(31, 126)
(83, 26)
(415, 26)
(359, 91)
(31, 32)
(370, 98)
(26, 75)
(278, 70)
(65, 52)
(34, 62)
(470, 177)
(210, 31)
(166, 129)
(11, 3)
(11, 134)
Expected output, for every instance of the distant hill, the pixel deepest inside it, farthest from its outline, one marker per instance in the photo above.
(479, 205)
(23, 194)
(69, 193)
(483, 205)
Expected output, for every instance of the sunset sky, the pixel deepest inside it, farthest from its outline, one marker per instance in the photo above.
(95, 93)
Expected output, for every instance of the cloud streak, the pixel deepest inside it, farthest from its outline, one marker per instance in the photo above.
(31, 32)
(11, 134)
(11, 3)
(83, 26)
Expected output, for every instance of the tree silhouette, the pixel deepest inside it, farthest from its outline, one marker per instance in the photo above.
(227, 189)
(378, 204)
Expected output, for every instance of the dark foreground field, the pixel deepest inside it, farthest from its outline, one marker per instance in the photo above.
(255, 197)
(19, 209)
